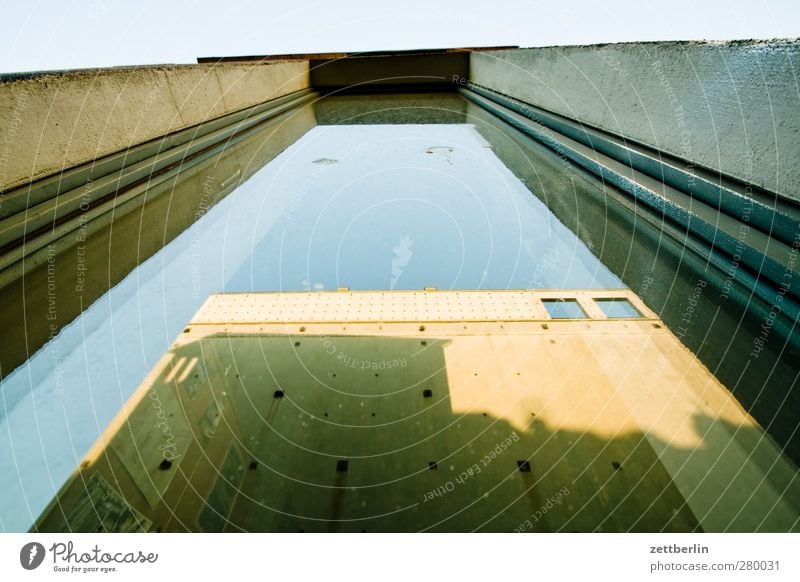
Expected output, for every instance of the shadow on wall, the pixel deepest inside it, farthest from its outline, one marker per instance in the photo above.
(349, 433)
(407, 108)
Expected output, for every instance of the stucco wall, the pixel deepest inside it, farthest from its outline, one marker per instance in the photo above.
(50, 122)
(732, 107)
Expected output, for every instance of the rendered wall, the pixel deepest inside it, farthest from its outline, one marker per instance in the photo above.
(731, 107)
(54, 121)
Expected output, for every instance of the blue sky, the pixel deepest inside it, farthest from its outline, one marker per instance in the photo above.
(60, 34)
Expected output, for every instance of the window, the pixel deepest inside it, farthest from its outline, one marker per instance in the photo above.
(564, 309)
(617, 308)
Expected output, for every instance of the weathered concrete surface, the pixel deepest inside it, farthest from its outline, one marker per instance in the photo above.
(50, 122)
(732, 107)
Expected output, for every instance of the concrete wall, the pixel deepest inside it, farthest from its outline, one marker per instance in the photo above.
(54, 121)
(732, 107)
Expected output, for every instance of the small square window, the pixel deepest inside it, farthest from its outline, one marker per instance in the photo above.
(427, 393)
(278, 394)
(617, 308)
(524, 466)
(342, 465)
(433, 465)
(564, 309)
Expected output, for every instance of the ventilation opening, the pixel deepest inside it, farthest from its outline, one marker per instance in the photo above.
(279, 394)
(433, 465)
(524, 466)
(342, 465)
(427, 393)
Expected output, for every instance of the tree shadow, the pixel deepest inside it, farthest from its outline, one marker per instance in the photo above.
(348, 433)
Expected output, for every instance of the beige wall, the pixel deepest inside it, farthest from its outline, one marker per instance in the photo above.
(50, 122)
(731, 106)
(615, 414)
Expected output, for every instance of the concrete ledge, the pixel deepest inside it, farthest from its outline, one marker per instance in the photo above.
(51, 122)
(773, 217)
(730, 107)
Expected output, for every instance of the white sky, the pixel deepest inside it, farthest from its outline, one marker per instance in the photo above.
(60, 34)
